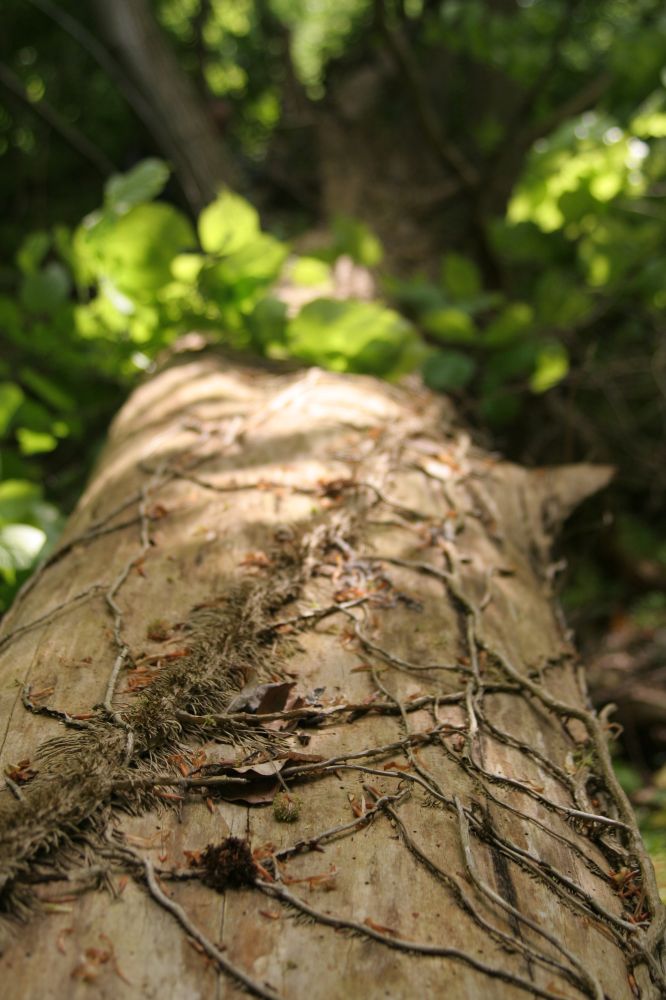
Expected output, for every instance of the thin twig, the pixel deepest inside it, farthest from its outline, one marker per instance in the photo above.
(72, 135)
(506, 941)
(41, 619)
(400, 944)
(53, 713)
(256, 989)
(314, 843)
(316, 714)
(596, 990)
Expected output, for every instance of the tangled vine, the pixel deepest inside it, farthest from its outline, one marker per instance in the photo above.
(60, 822)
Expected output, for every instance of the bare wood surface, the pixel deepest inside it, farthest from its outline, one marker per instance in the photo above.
(459, 829)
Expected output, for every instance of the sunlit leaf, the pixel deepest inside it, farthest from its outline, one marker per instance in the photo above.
(143, 183)
(17, 499)
(309, 271)
(515, 320)
(352, 336)
(552, 365)
(650, 119)
(135, 254)
(356, 239)
(449, 325)
(186, 267)
(259, 260)
(35, 442)
(228, 224)
(20, 545)
(11, 397)
(21, 502)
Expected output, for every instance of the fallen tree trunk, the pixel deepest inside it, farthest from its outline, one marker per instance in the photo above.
(297, 656)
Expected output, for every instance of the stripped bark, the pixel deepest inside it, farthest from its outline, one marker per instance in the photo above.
(454, 813)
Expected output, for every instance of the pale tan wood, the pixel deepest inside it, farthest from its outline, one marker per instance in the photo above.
(300, 430)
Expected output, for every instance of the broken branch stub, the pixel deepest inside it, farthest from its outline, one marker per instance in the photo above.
(310, 586)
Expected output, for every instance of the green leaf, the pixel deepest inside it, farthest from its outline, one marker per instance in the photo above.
(62, 243)
(20, 545)
(32, 251)
(448, 370)
(186, 267)
(450, 325)
(353, 336)
(559, 299)
(416, 294)
(515, 361)
(21, 502)
(460, 276)
(87, 246)
(144, 182)
(575, 205)
(259, 261)
(11, 318)
(515, 321)
(17, 499)
(47, 390)
(650, 122)
(552, 365)
(309, 271)
(354, 238)
(35, 442)
(267, 323)
(34, 415)
(43, 291)
(135, 254)
(228, 224)
(11, 397)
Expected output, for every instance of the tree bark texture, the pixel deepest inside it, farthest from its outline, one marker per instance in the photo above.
(456, 829)
(179, 120)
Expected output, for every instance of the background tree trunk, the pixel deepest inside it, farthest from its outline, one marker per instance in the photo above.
(180, 121)
(460, 828)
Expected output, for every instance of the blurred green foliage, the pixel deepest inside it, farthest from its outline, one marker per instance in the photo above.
(101, 300)
(573, 322)
(93, 306)
(650, 804)
(584, 230)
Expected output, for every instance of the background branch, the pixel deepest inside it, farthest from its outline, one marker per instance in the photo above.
(448, 153)
(70, 133)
